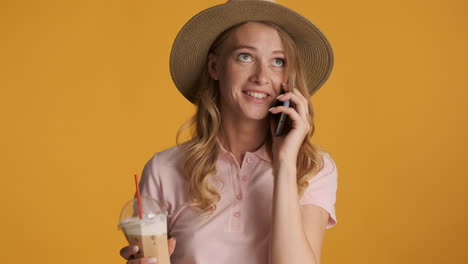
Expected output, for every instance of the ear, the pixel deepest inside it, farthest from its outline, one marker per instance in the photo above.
(212, 66)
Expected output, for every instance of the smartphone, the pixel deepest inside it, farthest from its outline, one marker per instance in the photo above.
(281, 118)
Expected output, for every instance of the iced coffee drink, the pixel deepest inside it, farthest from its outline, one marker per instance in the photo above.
(149, 232)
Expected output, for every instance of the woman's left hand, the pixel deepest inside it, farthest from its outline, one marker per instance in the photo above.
(286, 147)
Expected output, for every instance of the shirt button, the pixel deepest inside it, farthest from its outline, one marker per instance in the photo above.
(249, 160)
(244, 178)
(239, 196)
(237, 214)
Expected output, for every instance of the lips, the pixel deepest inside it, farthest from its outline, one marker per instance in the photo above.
(251, 97)
(256, 94)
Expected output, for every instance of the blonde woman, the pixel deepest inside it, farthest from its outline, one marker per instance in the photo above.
(235, 192)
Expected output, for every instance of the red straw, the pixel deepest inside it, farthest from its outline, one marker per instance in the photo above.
(138, 197)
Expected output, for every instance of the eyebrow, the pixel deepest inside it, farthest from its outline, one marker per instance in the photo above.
(252, 48)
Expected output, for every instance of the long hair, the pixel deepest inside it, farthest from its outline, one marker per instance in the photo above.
(201, 148)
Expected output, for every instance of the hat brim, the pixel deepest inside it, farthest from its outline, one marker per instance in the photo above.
(190, 49)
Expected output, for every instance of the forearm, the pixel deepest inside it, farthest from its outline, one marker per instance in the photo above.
(289, 241)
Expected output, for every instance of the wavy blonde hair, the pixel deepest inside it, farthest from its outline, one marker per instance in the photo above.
(201, 149)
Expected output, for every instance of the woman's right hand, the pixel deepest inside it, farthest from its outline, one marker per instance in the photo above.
(128, 252)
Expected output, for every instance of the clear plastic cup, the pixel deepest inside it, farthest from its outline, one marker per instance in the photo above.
(150, 232)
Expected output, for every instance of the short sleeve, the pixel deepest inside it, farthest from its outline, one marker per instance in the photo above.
(150, 184)
(322, 189)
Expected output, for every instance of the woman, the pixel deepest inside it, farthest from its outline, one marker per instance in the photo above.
(236, 193)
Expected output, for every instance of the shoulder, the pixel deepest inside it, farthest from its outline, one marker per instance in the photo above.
(170, 156)
(329, 165)
(167, 162)
(329, 171)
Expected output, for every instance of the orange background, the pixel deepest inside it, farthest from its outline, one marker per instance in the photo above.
(86, 99)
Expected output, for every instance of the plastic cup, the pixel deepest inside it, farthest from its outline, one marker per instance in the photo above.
(150, 232)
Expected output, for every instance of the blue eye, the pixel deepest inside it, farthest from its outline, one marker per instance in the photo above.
(244, 57)
(281, 62)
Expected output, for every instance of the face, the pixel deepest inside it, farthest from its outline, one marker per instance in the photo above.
(250, 66)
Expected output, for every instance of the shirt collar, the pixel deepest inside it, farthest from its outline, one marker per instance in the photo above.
(261, 152)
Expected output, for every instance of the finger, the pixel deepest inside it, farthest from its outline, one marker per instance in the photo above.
(285, 87)
(298, 122)
(297, 98)
(296, 101)
(171, 244)
(291, 112)
(147, 260)
(303, 98)
(128, 251)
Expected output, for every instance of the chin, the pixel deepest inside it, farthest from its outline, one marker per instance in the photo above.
(254, 113)
(257, 116)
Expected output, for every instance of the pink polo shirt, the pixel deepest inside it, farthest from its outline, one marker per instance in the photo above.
(240, 229)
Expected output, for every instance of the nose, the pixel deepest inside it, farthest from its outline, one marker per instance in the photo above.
(260, 74)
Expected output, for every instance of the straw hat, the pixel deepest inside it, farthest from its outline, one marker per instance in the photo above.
(190, 49)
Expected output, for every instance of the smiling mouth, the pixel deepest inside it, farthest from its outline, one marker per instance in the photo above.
(256, 94)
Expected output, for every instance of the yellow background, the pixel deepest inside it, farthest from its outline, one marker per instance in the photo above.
(86, 99)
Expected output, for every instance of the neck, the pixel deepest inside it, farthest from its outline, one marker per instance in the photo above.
(240, 135)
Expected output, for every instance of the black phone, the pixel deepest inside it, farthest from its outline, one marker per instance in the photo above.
(281, 118)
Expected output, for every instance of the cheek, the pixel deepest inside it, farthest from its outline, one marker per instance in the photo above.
(233, 76)
(278, 79)
(233, 71)
(282, 75)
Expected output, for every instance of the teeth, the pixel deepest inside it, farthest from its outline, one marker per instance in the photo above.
(257, 95)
